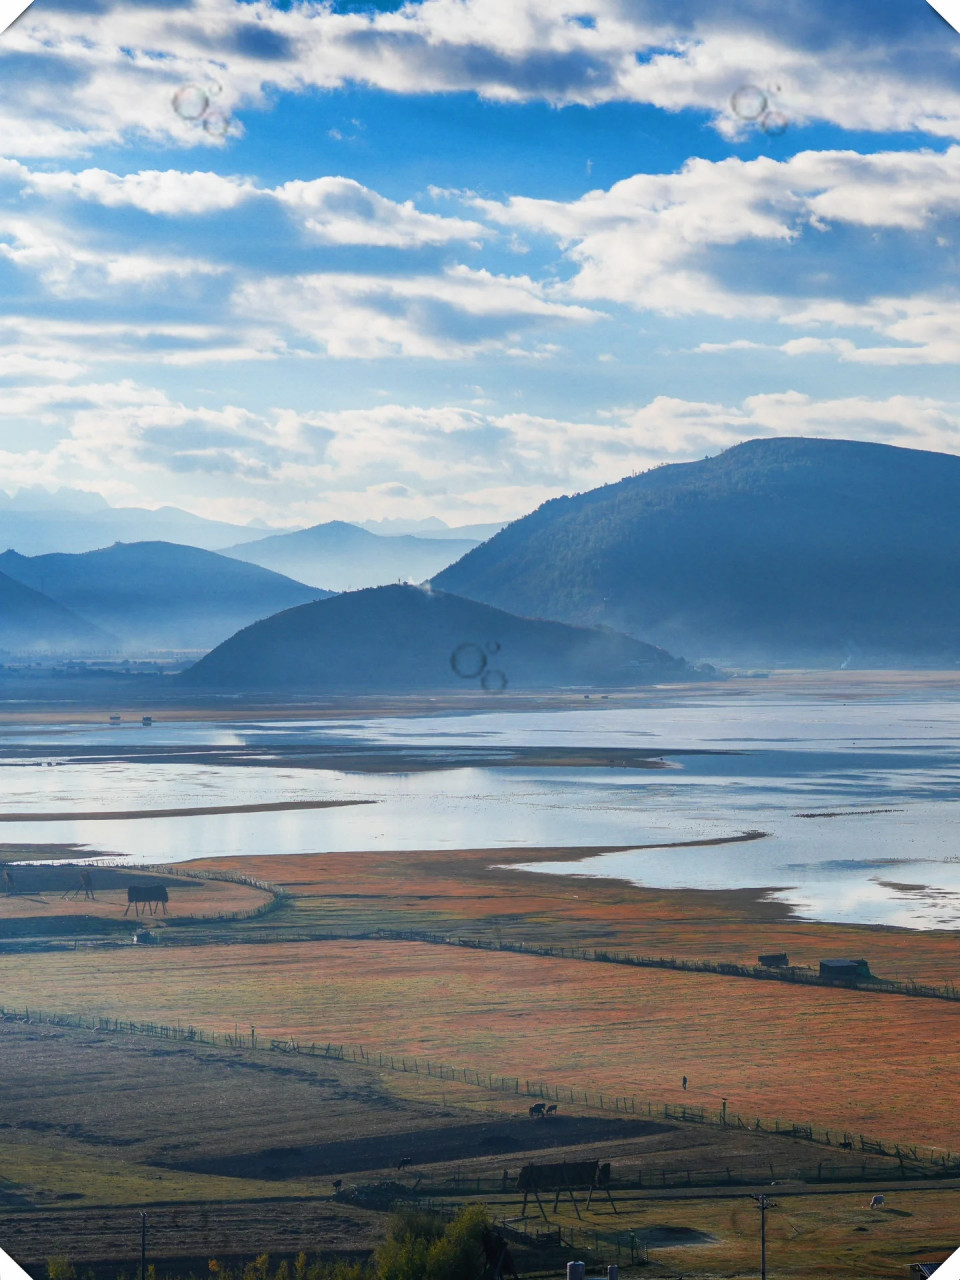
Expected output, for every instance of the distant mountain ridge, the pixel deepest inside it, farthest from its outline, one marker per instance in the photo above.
(343, 557)
(403, 639)
(158, 595)
(76, 525)
(31, 624)
(783, 550)
(431, 528)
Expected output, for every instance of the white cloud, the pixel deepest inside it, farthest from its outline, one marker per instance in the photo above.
(69, 267)
(335, 210)
(661, 242)
(35, 347)
(168, 192)
(125, 61)
(341, 211)
(459, 313)
(684, 429)
(140, 444)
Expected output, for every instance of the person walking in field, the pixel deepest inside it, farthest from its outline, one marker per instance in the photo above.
(684, 1082)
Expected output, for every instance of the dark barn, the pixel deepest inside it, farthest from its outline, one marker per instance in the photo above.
(844, 970)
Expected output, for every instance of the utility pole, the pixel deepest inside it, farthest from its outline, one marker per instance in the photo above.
(143, 1245)
(764, 1204)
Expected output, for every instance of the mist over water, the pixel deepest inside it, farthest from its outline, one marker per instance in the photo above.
(858, 797)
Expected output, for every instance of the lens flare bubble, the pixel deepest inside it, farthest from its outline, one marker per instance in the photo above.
(190, 102)
(468, 660)
(774, 124)
(493, 646)
(749, 102)
(216, 123)
(494, 681)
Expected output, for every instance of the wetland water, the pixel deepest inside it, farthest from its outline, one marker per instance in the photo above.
(887, 770)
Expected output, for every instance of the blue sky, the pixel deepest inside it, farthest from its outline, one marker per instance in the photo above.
(455, 257)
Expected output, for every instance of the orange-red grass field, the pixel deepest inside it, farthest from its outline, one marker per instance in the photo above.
(869, 1063)
(874, 1064)
(467, 891)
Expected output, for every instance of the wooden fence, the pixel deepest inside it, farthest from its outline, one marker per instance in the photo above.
(926, 1160)
(726, 968)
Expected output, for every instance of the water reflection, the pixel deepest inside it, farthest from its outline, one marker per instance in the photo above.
(858, 799)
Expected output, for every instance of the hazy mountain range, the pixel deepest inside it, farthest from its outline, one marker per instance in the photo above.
(344, 557)
(144, 596)
(430, 527)
(32, 622)
(792, 551)
(35, 522)
(405, 638)
(777, 552)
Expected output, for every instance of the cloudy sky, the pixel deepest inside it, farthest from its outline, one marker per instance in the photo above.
(303, 261)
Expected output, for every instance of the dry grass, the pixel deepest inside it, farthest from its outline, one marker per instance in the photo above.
(466, 891)
(808, 1236)
(837, 1058)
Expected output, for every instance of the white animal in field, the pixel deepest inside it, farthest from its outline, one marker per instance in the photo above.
(877, 1202)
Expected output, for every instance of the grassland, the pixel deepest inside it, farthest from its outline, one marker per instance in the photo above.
(81, 1151)
(841, 1059)
(237, 1139)
(475, 892)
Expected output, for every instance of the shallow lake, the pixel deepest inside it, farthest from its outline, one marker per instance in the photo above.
(858, 798)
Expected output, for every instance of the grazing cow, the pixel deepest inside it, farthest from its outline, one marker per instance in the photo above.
(537, 1110)
(551, 1110)
(337, 1186)
(144, 896)
(403, 1162)
(877, 1202)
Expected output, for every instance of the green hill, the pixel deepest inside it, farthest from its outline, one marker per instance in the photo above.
(792, 551)
(401, 639)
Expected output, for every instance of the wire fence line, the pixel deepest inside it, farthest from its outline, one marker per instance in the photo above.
(278, 895)
(792, 974)
(935, 1161)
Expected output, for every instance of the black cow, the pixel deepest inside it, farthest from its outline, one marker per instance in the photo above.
(551, 1110)
(537, 1110)
(403, 1162)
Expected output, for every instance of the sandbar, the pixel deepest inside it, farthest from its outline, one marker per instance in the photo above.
(94, 815)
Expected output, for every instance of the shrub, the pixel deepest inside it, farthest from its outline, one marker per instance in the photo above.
(420, 1247)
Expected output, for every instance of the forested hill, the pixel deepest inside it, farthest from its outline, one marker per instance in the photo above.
(401, 639)
(779, 550)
